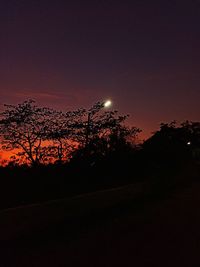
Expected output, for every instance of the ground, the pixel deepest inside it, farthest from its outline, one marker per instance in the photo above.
(162, 232)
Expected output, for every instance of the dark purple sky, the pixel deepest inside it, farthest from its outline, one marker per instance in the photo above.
(145, 55)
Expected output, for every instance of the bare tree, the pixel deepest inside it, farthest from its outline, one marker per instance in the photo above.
(25, 127)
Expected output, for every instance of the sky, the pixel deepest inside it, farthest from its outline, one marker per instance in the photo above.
(144, 55)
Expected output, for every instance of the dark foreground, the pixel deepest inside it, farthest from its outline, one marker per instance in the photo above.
(157, 232)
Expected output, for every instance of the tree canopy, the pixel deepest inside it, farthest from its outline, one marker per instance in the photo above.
(42, 135)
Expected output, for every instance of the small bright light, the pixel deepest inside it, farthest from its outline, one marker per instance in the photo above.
(107, 104)
(189, 143)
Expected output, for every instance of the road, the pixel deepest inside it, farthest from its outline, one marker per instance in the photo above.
(160, 233)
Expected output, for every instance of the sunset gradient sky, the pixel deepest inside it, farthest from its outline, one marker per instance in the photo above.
(144, 55)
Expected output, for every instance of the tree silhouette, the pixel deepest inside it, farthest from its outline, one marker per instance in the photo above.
(43, 135)
(174, 143)
(25, 127)
(100, 132)
(62, 134)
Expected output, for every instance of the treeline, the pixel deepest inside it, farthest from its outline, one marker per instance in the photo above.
(63, 154)
(42, 135)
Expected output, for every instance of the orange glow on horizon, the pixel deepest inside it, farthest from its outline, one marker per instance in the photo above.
(5, 155)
